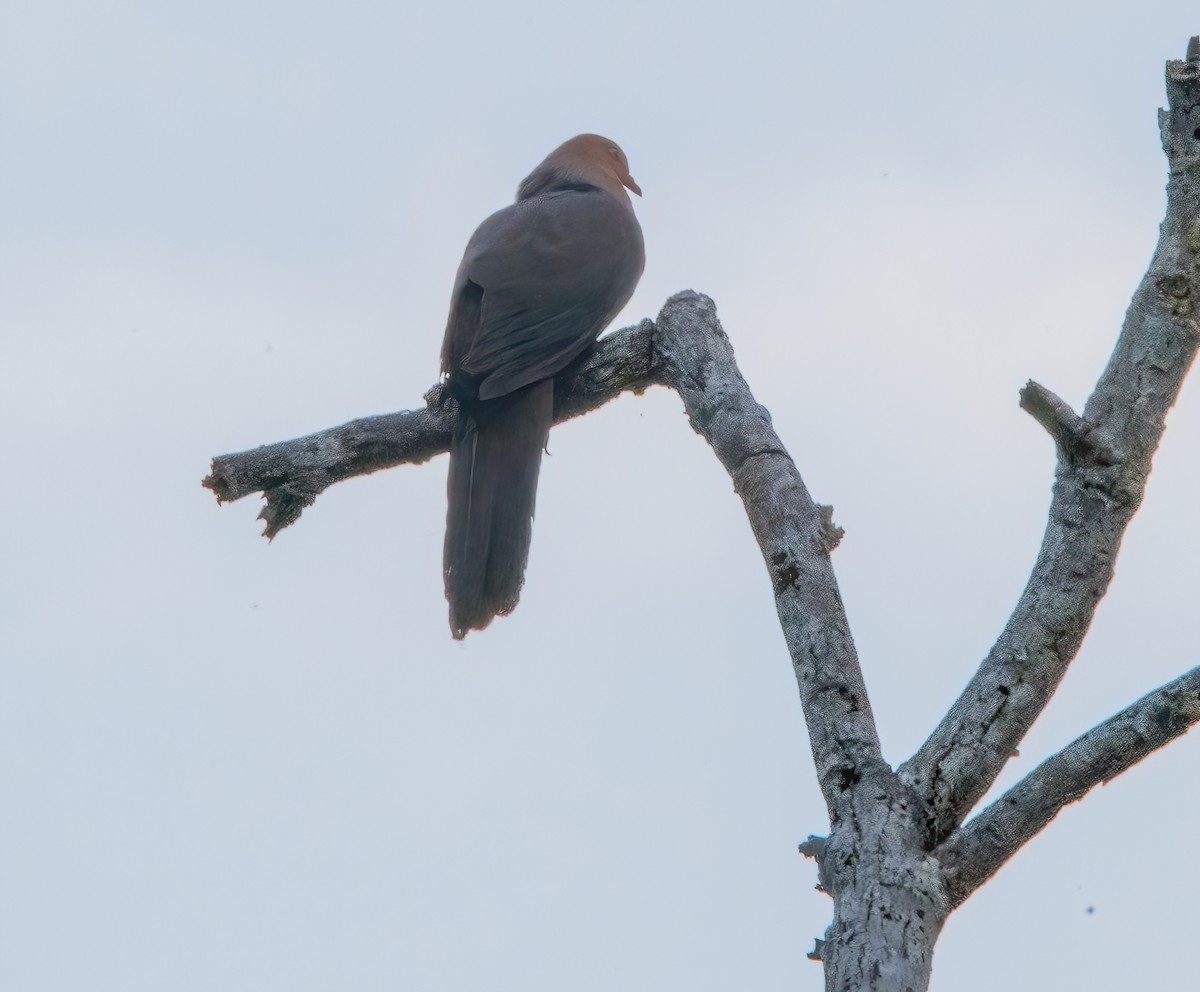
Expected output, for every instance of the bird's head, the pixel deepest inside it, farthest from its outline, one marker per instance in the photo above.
(586, 158)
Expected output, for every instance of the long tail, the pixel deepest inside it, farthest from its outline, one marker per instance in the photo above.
(494, 460)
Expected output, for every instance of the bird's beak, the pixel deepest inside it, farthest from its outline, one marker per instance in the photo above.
(628, 181)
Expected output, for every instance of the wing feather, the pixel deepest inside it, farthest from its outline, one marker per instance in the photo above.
(538, 283)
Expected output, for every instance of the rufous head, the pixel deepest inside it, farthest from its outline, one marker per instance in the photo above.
(587, 158)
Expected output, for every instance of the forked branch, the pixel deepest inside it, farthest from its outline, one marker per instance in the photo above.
(1104, 462)
(976, 851)
(898, 858)
(687, 350)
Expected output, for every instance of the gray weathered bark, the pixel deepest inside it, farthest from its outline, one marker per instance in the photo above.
(978, 849)
(1103, 464)
(898, 858)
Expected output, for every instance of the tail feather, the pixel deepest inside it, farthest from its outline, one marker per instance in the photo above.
(495, 456)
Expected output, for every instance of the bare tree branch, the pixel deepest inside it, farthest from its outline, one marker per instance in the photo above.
(897, 859)
(794, 534)
(292, 474)
(1098, 488)
(687, 350)
(976, 851)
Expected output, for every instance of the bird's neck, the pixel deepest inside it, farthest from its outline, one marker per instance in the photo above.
(554, 180)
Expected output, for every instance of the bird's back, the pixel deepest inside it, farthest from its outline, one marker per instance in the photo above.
(539, 281)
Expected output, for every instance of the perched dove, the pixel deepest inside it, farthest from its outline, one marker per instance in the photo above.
(538, 282)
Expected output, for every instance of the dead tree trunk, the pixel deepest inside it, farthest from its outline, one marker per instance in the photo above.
(898, 858)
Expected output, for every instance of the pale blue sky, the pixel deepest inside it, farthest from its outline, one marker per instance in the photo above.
(240, 766)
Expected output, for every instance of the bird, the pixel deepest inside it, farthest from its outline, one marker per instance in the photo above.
(539, 280)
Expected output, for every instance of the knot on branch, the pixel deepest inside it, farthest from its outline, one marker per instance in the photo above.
(1176, 290)
(831, 533)
(1078, 441)
(784, 572)
(284, 504)
(814, 847)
